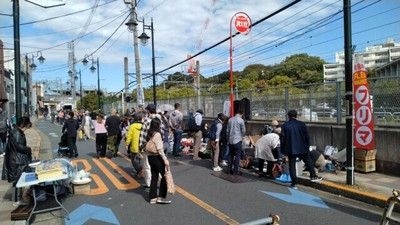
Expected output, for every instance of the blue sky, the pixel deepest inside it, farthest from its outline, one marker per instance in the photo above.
(183, 27)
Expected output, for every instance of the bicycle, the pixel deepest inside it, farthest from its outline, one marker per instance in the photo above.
(390, 204)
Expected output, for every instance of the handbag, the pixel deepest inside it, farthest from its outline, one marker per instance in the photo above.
(169, 180)
(277, 170)
(151, 147)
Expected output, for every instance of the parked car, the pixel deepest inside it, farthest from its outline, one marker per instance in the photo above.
(383, 115)
(259, 113)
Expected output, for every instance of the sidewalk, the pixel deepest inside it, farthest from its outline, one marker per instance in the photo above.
(371, 188)
(34, 139)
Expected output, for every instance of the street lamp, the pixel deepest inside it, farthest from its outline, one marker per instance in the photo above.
(93, 69)
(143, 39)
(132, 26)
(32, 67)
(74, 78)
(80, 88)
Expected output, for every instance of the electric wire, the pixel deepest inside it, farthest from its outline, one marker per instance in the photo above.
(55, 17)
(63, 66)
(233, 35)
(273, 45)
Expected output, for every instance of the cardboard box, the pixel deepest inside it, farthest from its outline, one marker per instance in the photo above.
(362, 154)
(364, 166)
(254, 139)
(81, 189)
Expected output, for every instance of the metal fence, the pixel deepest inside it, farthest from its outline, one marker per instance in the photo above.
(316, 102)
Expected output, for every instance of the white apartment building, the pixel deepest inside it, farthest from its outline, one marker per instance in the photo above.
(374, 56)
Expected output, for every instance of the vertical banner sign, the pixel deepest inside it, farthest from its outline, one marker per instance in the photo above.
(364, 137)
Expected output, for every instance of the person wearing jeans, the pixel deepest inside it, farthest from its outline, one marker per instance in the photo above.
(236, 130)
(175, 122)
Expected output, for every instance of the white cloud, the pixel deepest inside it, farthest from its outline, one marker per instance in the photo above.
(181, 28)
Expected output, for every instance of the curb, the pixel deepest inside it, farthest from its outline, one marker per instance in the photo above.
(353, 192)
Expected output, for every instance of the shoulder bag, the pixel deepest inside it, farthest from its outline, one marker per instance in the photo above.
(151, 147)
(169, 180)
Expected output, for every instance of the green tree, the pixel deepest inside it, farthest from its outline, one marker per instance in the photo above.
(311, 77)
(255, 72)
(295, 67)
(280, 81)
(89, 102)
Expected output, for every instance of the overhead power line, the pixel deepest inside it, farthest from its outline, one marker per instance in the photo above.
(226, 39)
(57, 17)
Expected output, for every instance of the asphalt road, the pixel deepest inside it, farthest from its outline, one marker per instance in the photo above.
(203, 196)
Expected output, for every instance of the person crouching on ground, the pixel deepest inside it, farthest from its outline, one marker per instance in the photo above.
(267, 148)
(18, 155)
(158, 161)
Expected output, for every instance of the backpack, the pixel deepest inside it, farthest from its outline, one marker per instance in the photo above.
(212, 132)
(192, 124)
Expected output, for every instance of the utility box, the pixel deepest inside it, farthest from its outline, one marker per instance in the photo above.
(81, 189)
(362, 154)
(364, 166)
(364, 160)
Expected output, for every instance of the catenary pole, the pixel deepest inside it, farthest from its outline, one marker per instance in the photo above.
(348, 53)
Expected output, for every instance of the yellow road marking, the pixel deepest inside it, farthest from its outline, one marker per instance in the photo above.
(101, 186)
(206, 206)
(201, 203)
(132, 183)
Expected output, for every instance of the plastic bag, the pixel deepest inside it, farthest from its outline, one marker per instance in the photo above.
(284, 178)
(330, 150)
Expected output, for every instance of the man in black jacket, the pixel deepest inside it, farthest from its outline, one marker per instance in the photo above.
(295, 144)
(113, 123)
(71, 126)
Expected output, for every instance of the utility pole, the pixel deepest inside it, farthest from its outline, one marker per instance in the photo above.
(197, 84)
(132, 25)
(348, 64)
(17, 60)
(126, 78)
(71, 63)
(28, 89)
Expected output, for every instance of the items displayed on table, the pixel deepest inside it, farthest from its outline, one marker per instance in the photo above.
(81, 177)
(49, 169)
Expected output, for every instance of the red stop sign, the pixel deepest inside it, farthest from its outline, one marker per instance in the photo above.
(242, 23)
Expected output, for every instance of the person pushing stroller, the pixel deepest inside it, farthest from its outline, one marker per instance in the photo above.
(71, 126)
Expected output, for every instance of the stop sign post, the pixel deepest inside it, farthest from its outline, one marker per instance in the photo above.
(242, 23)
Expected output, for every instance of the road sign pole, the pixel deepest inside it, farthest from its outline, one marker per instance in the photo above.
(242, 25)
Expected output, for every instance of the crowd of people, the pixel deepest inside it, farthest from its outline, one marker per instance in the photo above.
(148, 133)
(287, 143)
